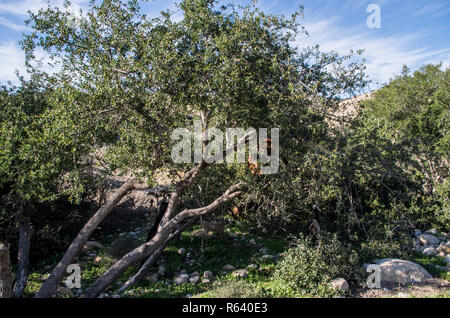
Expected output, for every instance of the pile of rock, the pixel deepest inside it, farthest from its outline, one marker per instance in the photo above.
(433, 243)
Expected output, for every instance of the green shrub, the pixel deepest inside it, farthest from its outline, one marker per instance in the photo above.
(308, 267)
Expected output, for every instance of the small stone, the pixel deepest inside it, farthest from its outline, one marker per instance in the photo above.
(92, 244)
(229, 267)
(264, 250)
(181, 279)
(161, 270)
(444, 247)
(252, 266)
(417, 233)
(432, 232)
(97, 260)
(206, 281)
(194, 279)
(188, 295)
(428, 239)
(133, 233)
(267, 257)
(242, 273)
(183, 271)
(441, 268)
(115, 296)
(252, 242)
(430, 251)
(339, 284)
(181, 251)
(207, 274)
(152, 278)
(402, 295)
(447, 259)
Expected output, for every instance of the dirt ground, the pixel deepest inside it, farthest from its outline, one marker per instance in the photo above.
(430, 288)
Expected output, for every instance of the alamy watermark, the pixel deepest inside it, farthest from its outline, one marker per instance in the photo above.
(374, 279)
(374, 19)
(197, 145)
(74, 279)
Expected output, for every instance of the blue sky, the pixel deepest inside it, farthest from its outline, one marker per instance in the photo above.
(413, 32)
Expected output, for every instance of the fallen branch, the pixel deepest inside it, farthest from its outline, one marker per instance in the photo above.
(50, 285)
(148, 248)
(151, 260)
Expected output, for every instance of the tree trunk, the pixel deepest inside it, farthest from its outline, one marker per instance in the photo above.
(5, 272)
(23, 262)
(50, 285)
(145, 250)
(149, 262)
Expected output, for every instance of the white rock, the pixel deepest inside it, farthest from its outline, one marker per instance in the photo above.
(428, 239)
(252, 242)
(194, 279)
(229, 267)
(207, 274)
(242, 273)
(267, 257)
(400, 271)
(206, 281)
(430, 251)
(444, 247)
(339, 284)
(181, 279)
(92, 244)
(432, 232)
(252, 266)
(181, 251)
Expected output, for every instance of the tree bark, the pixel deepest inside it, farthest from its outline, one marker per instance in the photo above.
(23, 261)
(50, 285)
(145, 250)
(149, 262)
(5, 272)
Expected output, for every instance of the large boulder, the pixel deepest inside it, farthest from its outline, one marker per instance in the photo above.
(401, 272)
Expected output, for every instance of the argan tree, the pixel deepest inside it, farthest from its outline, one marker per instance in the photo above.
(127, 82)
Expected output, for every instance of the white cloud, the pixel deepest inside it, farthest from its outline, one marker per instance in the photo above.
(15, 58)
(12, 25)
(385, 55)
(21, 7)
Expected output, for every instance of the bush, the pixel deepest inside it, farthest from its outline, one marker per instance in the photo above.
(308, 268)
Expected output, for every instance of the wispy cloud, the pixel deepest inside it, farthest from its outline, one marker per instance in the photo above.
(21, 7)
(385, 55)
(14, 58)
(12, 25)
